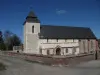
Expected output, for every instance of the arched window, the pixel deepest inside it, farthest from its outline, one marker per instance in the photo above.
(32, 29)
(48, 53)
(66, 50)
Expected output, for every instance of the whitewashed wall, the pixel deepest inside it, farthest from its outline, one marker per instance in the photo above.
(61, 40)
(70, 40)
(83, 45)
(88, 47)
(29, 25)
(69, 51)
(75, 40)
(43, 41)
(51, 44)
(52, 41)
(77, 51)
(94, 45)
(44, 46)
(51, 51)
(44, 52)
(31, 44)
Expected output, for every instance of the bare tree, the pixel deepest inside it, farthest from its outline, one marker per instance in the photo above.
(2, 45)
(11, 40)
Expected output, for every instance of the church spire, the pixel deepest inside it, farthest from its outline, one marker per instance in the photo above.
(31, 14)
(32, 18)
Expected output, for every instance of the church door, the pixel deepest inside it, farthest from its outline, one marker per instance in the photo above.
(58, 51)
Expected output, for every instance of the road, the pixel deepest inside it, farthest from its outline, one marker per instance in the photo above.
(16, 66)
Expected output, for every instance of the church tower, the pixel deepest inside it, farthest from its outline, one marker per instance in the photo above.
(31, 32)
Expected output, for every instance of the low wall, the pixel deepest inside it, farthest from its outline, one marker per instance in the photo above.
(52, 60)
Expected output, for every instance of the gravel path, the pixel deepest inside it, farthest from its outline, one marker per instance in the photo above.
(17, 66)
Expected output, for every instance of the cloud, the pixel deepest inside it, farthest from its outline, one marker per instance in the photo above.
(60, 11)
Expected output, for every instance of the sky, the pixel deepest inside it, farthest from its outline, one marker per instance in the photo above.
(80, 13)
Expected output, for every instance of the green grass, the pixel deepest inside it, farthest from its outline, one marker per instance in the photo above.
(2, 66)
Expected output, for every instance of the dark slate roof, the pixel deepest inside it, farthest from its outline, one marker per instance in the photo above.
(32, 18)
(65, 32)
(31, 14)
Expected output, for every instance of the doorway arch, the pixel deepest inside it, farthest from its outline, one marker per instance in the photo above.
(58, 51)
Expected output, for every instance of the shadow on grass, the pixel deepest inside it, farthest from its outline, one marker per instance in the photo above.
(2, 67)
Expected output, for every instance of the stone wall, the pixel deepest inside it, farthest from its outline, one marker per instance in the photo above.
(52, 60)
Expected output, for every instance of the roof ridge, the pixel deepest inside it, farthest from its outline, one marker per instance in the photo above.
(66, 26)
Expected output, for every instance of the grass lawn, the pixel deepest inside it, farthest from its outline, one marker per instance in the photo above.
(2, 66)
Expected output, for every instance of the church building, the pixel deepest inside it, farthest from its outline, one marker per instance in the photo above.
(56, 40)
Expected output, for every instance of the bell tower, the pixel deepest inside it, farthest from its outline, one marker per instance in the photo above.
(31, 31)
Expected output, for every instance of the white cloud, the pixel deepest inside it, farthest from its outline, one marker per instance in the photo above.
(60, 11)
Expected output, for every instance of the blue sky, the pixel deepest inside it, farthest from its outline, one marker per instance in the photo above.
(83, 13)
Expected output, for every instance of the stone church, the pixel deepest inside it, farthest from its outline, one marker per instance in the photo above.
(56, 40)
